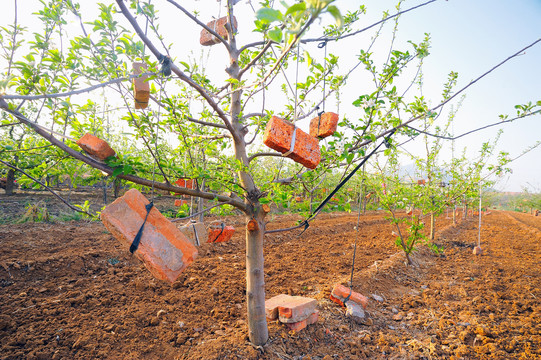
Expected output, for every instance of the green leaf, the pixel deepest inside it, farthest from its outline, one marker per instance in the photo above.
(296, 8)
(267, 15)
(333, 10)
(275, 35)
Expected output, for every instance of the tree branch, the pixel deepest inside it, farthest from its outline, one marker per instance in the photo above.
(252, 157)
(322, 38)
(386, 132)
(176, 70)
(474, 130)
(109, 170)
(203, 25)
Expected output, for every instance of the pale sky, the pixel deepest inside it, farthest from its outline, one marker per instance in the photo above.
(468, 36)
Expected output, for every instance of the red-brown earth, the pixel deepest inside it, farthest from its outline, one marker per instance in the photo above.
(69, 290)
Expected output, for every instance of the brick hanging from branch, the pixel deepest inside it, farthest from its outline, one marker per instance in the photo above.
(141, 87)
(95, 147)
(326, 126)
(164, 249)
(220, 27)
(278, 136)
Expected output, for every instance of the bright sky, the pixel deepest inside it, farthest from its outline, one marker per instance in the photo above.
(469, 37)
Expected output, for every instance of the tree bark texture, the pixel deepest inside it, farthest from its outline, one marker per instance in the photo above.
(10, 182)
(255, 283)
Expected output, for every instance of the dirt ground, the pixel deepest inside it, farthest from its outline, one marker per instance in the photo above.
(71, 291)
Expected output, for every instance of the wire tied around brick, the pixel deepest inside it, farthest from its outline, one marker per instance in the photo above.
(137, 240)
(292, 146)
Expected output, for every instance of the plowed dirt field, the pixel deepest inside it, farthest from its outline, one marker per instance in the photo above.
(71, 291)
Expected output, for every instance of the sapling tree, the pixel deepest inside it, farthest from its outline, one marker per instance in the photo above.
(196, 125)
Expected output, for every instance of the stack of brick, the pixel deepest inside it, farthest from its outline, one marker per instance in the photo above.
(296, 312)
(219, 26)
(164, 250)
(141, 87)
(95, 147)
(278, 136)
(195, 232)
(324, 126)
(220, 233)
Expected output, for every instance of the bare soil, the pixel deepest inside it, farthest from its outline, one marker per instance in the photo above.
(71, 291)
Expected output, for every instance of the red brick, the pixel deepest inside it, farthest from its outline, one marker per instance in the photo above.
(298, 199)
(278, 136)
(218, 26)
(272, 304)
(421, 182)
(327, 125)
(164, 250)
(477, 250)
(179, 202)
(296, 309)
(95, 146)
(195, 232)
(341, 292)
(185, 183)
(298, 326)
(217, 235)
(141, 87)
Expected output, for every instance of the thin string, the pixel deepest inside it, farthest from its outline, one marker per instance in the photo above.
(296, 83)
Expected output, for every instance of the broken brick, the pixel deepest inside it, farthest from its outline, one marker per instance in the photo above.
(296, 308)
(217, 234)
(326, 126)
(179, 202)
(164, 250)
(272, 304)
(219, 26)
(340, 293)
(278, 134)
(196, 232)
(298, 326)
(95, 146)
(141, 87)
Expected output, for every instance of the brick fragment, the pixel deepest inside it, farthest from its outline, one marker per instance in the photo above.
(341, 292)
(296, 309)
(180, 202)
(217, 235)
(164, 250)
(324, 127)
(477, 250)
(196, 232)
(141, 87)
(278, 134)
(298, 326)
(219, 26)
(95, 146)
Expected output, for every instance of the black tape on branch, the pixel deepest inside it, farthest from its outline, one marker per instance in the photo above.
(342, 183)
(135, 244)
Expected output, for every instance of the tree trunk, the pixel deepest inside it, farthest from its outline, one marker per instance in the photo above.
(255, 282)
(454, 214)
(432, 226)
(10, 182)
(116, 187)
